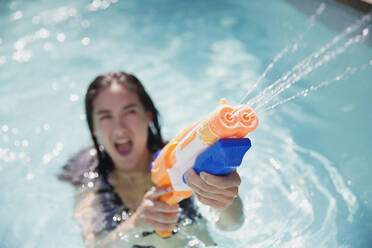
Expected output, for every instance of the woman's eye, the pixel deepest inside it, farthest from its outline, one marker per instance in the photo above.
(105, 117)
(131, 111)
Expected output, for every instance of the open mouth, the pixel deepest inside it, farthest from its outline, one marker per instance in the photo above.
(123, 146)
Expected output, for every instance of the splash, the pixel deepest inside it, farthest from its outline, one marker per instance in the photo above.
(291, 48)
(311, 63)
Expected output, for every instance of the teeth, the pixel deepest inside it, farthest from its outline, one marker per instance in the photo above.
(122, 141)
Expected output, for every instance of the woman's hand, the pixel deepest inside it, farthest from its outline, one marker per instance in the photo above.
(215, 191)
(155, 214)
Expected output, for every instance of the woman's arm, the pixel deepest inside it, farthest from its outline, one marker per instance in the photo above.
(231, 217)
(151, 214)
(86, 215)
(220, 193)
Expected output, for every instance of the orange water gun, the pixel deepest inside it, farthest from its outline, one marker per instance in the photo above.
(181, 153)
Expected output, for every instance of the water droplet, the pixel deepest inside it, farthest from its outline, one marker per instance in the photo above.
(5, 128)
(19, 45)
(59, 146)
(2, 60)
(292, 197)
(258, 221)
(22, 56)
(274, 163)
(349, 182)
(106, 4)
(82, 117)
(42, 33)
(25, 143)
(365, 31)
(116, 217)
(74, 97)
(46, 158)
(92, 152)
(96, 4)
(85, 41)
(46, 126)
(321, 8)
(61, 37)
(358, 38)
(17, 15)
(294, 234)
(295, 47)
(29, 176)
(193, 243)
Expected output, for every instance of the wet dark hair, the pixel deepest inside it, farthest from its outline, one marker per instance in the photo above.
(130, 82)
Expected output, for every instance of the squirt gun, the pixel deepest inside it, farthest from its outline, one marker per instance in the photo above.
(215, 144)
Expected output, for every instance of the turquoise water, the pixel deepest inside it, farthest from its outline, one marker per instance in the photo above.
(306, 180)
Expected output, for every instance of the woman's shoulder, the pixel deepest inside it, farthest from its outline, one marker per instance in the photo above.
(79, 168)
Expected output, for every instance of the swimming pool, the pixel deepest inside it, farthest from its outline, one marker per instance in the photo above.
(306, 180)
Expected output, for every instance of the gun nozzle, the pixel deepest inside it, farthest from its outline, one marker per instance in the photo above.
(223, 101)
(229, 116)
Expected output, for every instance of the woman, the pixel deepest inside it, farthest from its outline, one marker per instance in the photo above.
(117, 199)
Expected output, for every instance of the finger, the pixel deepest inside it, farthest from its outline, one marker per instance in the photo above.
(170, 218)
(214, 197)
(195, 180)
(224, 182)
(156, 192)
(165, 208)
(211, 202)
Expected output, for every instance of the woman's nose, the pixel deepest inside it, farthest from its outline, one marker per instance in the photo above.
(120, 124)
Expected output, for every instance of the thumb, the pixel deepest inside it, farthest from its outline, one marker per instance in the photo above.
(157, 192)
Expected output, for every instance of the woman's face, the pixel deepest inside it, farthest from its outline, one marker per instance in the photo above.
(121, 125)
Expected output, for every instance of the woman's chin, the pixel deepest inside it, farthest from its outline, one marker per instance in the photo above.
(128, 164)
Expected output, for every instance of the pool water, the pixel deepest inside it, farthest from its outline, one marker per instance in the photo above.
(306, 179)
